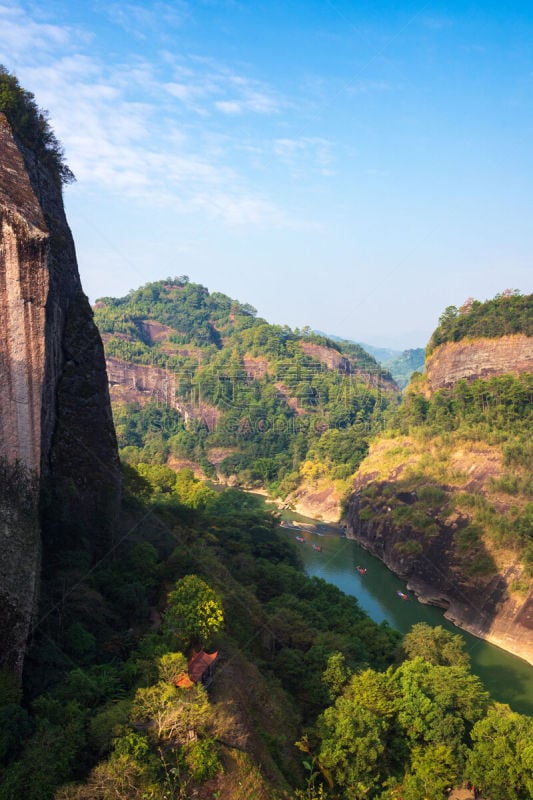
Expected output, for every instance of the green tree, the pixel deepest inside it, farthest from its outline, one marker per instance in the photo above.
(355, 734)
(438, 704)
(501, 758)
(432, 771)
(435, 645)
(336, 674)
(194, 610)
(171, 714)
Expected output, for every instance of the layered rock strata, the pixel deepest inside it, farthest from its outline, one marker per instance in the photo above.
(140, 383)
(479, 358)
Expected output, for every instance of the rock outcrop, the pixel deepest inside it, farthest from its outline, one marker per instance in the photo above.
(57, 442)
(140, 383)
(406, 507)
(434, 569)
(479, 358)
(333, 360)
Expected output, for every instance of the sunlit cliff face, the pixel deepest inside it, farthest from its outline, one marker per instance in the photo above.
(479, 358)
(23, 294)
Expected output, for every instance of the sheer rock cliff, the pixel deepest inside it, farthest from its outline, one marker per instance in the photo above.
(436, 570)
(140, 383)
(402, 512)
(479, 358)
(60, 472)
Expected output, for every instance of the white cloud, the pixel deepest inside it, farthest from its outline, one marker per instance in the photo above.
(241, 209)
(201, 80)
(182, 91)
(229, 106)
(25, 39)
(121, 125)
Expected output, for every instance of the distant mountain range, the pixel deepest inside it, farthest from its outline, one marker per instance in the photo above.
(400, 363)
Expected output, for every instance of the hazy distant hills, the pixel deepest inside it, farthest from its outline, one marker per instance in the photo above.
(400, 363)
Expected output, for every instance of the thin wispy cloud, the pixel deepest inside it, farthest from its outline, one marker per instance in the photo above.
(118, 122)
(140, 21)
(306, 153)
(24, 38)
(229, 106)
(205, 85)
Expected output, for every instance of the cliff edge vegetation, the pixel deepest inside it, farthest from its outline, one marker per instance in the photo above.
(507, 313)
(446, 496)
(31, 126)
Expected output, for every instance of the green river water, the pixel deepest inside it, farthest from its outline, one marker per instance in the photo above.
(508, 679)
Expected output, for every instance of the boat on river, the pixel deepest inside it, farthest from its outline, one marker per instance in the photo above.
(401, 595)
(317, 548)
(300, 539)
(361, 570)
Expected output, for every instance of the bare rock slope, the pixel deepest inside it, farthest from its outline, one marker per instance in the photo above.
(479, 358)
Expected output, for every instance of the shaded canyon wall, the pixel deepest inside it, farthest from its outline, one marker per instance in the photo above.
(484, 606)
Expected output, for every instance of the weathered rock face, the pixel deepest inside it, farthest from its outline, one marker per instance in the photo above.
(24, 283)
(139, 383)
(434, 549)
(479, 358)
(332, 359)
(57, 441)
(484, 606)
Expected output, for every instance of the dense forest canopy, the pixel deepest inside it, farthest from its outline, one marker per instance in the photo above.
(342, 708)
(507, 313)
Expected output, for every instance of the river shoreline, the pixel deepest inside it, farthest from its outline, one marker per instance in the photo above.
(508, 677)
(500, 632)
(505, 639)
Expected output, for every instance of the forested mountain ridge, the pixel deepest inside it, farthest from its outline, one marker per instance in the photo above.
(480, 340)
(446, 496)
(402, 365)
(505, 314)
(252, 403)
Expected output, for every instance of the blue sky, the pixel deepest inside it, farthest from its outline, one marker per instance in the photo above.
(352, 166)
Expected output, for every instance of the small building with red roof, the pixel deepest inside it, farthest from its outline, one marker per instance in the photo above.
(199, 668)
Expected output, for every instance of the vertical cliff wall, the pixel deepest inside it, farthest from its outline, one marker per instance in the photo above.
(470, 359)
(60, 476)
